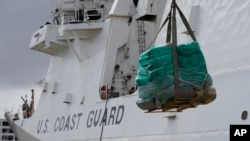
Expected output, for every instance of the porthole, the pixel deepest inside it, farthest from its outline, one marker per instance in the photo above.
(244, 115)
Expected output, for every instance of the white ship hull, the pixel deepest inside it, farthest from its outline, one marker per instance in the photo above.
(222, 29)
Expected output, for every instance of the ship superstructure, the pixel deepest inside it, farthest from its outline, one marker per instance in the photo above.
(89, 92)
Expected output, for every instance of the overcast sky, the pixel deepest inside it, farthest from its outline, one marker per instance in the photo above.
(20, 67)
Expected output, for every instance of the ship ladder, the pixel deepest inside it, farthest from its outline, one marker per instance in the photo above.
(141, 36)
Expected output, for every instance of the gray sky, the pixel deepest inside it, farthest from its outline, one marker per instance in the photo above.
(20, 66)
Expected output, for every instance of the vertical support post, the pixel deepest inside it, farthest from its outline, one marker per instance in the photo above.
(32, 103)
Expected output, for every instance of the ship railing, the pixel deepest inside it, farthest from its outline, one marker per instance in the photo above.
(88, 15)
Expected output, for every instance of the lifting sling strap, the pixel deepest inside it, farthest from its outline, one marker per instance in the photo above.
(172, 36)
(175, 58)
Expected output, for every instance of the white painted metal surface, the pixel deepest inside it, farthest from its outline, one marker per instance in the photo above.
(88, 63)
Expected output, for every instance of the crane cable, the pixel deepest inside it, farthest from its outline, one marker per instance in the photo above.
(105, 114)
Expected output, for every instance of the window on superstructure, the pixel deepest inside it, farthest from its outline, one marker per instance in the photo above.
(5, 123)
